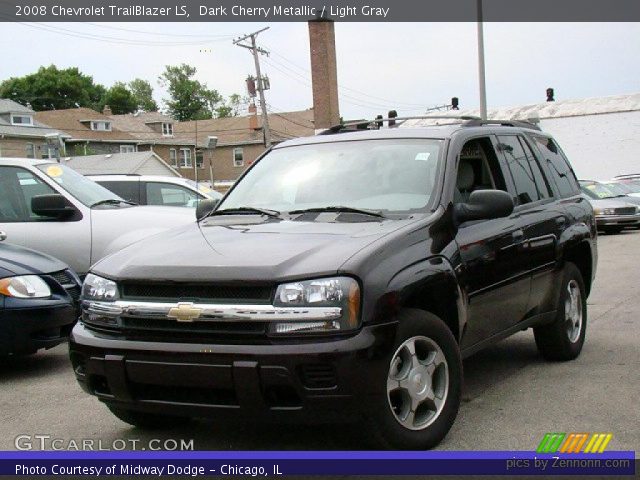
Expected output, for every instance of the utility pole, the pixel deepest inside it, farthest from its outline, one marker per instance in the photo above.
(255, 50)
(481, 75)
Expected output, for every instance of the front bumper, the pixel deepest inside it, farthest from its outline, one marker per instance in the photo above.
(27, 330)
(322, 380)
(617, 220)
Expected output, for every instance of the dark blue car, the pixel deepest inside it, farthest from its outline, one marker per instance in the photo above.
(38, 300)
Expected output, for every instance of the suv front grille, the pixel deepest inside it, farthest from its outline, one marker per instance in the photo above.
(203, 292)
(626, 211)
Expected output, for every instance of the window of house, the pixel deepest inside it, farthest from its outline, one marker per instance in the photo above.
(199, 159)
(185, 158)
(30, 150)
(24, 120)
(101, 126)
(521, 172)
(127, 148)
(557, 166)
(238, 157)
(173, 157)
(167, 129)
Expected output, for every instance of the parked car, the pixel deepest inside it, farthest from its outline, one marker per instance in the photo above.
(156, 190)
(38, 300)
(613, 212)
(345, 276)
(620, 191)
(51, 208)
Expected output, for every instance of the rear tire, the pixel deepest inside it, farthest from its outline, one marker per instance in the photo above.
(563, 339)
(423, 385)
(147, 421)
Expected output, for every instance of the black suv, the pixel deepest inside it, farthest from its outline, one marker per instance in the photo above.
(345, 276)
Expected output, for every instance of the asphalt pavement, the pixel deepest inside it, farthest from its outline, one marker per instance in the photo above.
(511, 397)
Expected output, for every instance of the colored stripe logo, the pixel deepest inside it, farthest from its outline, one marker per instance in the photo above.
(574, 442)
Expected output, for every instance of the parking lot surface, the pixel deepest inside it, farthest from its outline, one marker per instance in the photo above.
(511, 397)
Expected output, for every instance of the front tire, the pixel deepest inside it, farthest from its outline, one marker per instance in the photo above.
(145, 420)
(423, 384)
(563, 339)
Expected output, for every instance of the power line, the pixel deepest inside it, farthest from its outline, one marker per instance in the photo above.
(225, 36)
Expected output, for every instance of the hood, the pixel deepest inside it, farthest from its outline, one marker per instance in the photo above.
(610, 203)
(15, 260)
(233, 249)
(116, 228)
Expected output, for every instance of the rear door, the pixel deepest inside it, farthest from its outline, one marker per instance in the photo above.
(538, 215)
(127, 189)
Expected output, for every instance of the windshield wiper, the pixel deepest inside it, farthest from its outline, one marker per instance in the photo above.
(246, 210)
(111, 201)
(339, 209)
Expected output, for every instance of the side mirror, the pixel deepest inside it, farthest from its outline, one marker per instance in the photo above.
(53, 205)
(205, 207)
(484, 205)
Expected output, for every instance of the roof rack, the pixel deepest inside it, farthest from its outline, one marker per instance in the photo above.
(394, 122)
(504, 123)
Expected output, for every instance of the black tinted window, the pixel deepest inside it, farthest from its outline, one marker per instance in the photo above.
(520, 168)
(544, 189)
(130, 191)
(557, 166)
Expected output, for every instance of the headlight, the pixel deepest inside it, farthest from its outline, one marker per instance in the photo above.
(27, 286)
(342, 292)
(98, 288)
(604, 211)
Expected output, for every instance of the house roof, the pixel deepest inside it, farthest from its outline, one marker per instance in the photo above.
(548, 110)
(237, 130)
(9, 106)
(120, 163)
(138, 125)
(70, 121)
(38, 129)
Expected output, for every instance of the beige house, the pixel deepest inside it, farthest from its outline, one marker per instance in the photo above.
(239, 142)
(21, 135)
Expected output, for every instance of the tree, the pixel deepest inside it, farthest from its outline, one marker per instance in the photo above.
(142, 92)
(50, 88)
(119, 99)
(189, 99)
(232, 107)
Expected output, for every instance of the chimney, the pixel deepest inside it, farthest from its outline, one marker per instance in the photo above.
(107, 111)
(324, 73)
(253, 116)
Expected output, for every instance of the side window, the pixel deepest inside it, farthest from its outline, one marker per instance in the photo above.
(17, 187)
(544, 189)
(170, 195)
(518, 164)
(127, 190)
(557, 166)
(478, 169)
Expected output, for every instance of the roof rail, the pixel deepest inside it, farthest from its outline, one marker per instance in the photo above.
(505, 123)
(377, 123)
(113, 175)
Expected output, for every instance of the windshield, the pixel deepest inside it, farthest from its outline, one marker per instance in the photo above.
(598, 190)
(86, 191)
(616, 188)
(391, 175)
(630, 186)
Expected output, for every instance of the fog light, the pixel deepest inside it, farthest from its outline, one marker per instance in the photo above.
(305, 327)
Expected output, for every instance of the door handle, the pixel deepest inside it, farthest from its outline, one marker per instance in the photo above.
(518, 236)
(3, 236)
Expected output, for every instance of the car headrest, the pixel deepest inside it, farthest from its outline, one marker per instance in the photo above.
(466, 176)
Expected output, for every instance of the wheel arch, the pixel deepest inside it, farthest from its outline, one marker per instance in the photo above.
(580, 254)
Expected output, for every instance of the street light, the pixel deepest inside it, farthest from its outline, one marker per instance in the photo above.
(481, 76)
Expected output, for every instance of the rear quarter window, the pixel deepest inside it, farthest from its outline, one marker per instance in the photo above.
(557, 166)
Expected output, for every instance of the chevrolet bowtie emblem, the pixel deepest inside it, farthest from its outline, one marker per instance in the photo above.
(184, 312)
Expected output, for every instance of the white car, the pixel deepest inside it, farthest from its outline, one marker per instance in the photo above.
(52, 208)
(157, 190)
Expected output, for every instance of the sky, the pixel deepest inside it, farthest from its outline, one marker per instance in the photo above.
(408, 67)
